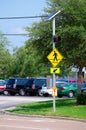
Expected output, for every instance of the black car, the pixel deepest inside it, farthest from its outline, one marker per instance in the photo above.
(24, 86)
(37, 85)
(17, 85)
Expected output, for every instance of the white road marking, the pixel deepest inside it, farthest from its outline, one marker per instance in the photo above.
(3, 102)
(22, 127)
(44, 120)
(33, 120)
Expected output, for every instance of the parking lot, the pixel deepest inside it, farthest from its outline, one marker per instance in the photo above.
(11, 101)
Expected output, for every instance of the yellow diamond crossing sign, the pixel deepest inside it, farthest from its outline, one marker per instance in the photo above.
(55, 57)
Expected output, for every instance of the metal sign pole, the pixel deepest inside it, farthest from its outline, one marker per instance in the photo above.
(54, 82)
(53, 27)
(52, 17)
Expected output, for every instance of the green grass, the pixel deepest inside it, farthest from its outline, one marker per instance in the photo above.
(67, 108)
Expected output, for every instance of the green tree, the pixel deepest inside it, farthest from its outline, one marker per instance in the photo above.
(5, 58)
(73, 32)
(70, 24)
(18, 62)
(26, 62)
(36, 66)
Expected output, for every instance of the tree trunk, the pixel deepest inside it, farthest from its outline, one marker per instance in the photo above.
(80, 77)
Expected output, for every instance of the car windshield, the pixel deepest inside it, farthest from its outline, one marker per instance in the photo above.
(60, 84)
(63, 85)
(2, 83)
(29, 81)
(11, 81)
(40, 82)
(66, 84)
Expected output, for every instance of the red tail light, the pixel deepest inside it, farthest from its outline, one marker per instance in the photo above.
(62, 88)
(33, 86)
(14, 86)
(2, 88)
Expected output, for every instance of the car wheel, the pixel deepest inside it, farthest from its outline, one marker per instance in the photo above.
(60, 96)
(71, 94)
(6, 93)
(45, 94)
(32, 94)
(12, 93)
(39, 92)
(21, 92)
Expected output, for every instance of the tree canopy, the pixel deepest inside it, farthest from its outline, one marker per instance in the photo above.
(5, 57)
(70, 25)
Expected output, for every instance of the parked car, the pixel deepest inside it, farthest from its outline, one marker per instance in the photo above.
(45, 91)
(24, 86)
(63, 89)
(17, 85)
(67, 89)
(37, 86)
(75, 80)
(83, 89)
(2, 86)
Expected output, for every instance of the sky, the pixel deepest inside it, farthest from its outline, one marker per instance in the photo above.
(19, 8)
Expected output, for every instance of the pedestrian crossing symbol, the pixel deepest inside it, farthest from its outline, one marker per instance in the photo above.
(55, 57)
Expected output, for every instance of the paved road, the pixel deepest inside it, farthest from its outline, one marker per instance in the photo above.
(9, 122)
(10, 101)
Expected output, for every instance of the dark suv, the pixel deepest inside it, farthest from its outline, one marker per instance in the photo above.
(24, 86)
(37, 85)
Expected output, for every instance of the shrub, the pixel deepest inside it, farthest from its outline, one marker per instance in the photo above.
(81, 98)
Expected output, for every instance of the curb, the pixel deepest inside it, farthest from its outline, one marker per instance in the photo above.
(45, 116)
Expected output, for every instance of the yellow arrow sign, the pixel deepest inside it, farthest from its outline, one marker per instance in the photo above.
(54, 70)
(55, 57)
